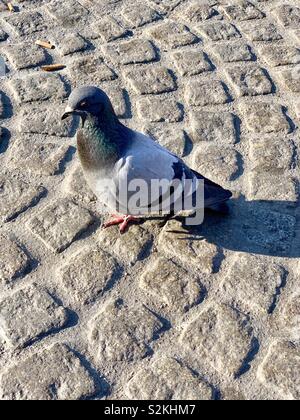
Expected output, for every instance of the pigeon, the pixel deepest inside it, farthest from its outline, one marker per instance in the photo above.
(112, 154)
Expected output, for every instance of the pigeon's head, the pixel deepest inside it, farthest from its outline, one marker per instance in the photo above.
(88, 100)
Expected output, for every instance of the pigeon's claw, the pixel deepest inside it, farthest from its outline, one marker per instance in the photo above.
(115, 220)
(123, 221)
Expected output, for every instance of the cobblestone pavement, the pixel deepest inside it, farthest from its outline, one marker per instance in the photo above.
(160, 312)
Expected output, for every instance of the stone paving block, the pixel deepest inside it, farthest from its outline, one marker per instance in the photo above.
(109, 29)
(289, 318)
(89, 274)
(139, 14)
(243, 10)
(42, 158)
(288, 15)
(59, 224)
(199, 256)
(213, 126)
(202, 94)
(38, 87)
(23, 56)
(253, 283)
(69, 43)
(167, 379)
(232, 394)
(100, 7)
(131, 247)
(166, 5)
(234, 52)
(250, 81)
(151, 80)
(196, 12)
(14, 263)
(53, 374)
(172, 35)
(92, 70)
(171, 285)
(135, 51)
(190, 63)
(273, 187)
(219, 31)
(124, 333)
(69, 13)
(118, 97)
(44, 119)
(28, 315)
(272, 155)
(291, 79)
(280, 55)
(262, 31)
(172, 137)
(271, 230)
(17, 196)
(26, 23)
(280, 370)
(159, 109)
(261, 117)
(217, 162)
(77, 186)
(222, 337)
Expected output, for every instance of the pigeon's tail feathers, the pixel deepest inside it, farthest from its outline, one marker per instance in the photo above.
(215, 196)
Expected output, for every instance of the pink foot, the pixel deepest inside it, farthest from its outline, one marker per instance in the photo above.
(123, 221)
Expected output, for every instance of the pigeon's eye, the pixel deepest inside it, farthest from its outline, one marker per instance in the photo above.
(83, 104)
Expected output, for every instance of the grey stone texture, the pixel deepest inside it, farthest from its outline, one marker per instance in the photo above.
(38, 87)
(154, 80)
(131, 52)
(250, 81)
(23, 57)
(86, 285)
(203, 94)
(29, 314)
(167, 379)
(55, 373)
(123, 333)
(14, 262)
(207, 337)
(279, 370)
(166, 311)
(190, 63)
(54, 226)
(172, 35)
(17, 196)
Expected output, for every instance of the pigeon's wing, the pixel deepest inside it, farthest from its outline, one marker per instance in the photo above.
(146, 160)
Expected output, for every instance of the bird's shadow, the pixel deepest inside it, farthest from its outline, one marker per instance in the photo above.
(4, 140)
(256, 227)
(7, 107)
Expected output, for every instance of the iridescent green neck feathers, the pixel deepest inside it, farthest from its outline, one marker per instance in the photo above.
(97, 143)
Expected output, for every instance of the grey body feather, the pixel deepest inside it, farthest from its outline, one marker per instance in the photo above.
(142, 158)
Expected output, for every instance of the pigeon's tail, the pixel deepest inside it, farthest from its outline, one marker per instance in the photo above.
(215, 196)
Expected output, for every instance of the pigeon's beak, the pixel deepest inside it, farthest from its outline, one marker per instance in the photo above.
(68, 112)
